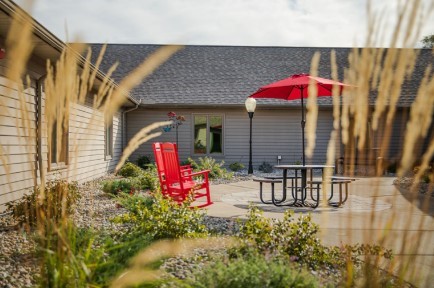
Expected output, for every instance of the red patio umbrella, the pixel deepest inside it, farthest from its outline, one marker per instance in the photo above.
(296, 87)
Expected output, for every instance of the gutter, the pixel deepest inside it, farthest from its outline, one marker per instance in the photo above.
(124, 123)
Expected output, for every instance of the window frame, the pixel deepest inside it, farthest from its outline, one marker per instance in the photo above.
(208, 126)
(108, 138)
(58, 165)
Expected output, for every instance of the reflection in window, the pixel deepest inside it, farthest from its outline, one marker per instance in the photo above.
(200, 127)
(208, 134)
(216, 134)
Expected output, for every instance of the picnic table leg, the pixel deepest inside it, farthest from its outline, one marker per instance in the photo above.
(331, 191)
(317, 195)
(346, 193)
(273, 199)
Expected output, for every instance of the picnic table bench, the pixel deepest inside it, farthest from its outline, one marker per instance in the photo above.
(342, 182)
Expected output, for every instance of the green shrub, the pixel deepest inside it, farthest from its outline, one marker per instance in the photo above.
(130, 170)
(68, 256)
(165, 218)
(119, 249)
(252, 272)
(208, 163)
(190, 162)
(297, 239)
(428, 174)
(56, 193)
(135, 203)
(143, 162)
(236, 166)
(117, 186)
(265, 167)
(149, 179)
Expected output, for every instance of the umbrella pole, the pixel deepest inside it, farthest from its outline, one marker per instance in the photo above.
(303, 123)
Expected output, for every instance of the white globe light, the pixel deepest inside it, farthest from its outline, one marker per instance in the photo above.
(250, 104)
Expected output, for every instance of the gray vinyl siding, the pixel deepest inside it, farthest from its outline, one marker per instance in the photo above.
(275, 132)
(18, 161)
(17, 141)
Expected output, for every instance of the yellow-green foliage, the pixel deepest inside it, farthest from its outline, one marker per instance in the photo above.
(57, 201)
(165, 218)
(130, 170)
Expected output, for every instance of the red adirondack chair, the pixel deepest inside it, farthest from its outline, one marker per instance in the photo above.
(178, 181)
(186, 169)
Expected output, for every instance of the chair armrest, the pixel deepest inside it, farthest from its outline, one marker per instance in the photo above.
(204, 172)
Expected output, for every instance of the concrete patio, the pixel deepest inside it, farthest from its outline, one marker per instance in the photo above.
(376, 212)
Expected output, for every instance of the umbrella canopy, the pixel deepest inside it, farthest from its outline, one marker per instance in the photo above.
(296, 87)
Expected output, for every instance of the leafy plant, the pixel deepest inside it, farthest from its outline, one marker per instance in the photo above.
(428, 174)
(255, 271)
(68, 255)
(297, 239)
(143, 162)
(148, 180)
(209, 163)
(165, 218)
(265, 167)
(58, 194)
(236, 166)
(130, 170)
(118, 251)
(117, 186)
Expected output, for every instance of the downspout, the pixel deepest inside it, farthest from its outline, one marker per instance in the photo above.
(38, 119)
(124, 130)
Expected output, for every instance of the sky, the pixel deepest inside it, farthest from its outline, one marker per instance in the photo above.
(300, 23)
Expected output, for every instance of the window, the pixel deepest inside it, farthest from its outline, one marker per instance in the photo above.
(108, 138)
(58, 150)
(208, 134)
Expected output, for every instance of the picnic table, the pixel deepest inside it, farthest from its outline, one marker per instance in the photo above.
(304, 170)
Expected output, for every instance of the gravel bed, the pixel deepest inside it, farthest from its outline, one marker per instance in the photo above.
(18, 266)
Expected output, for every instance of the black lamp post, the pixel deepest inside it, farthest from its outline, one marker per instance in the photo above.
(250, 106)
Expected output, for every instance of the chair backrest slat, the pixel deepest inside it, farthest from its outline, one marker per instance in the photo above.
(160, 166)
(171, 163)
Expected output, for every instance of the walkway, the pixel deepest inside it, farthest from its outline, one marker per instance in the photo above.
(374, 205)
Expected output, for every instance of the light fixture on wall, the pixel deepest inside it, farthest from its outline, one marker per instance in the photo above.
(250, 107)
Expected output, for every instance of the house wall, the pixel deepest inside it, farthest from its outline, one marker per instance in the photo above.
(275, 132)
(17, 145)
(19, 169)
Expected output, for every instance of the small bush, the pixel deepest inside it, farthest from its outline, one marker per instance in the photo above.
(130, 170)
(56, 193)
(297, 239)
(428, 174)
(165, 218)
(190, 162)
(236, 166)
(208, 163)
(143, 162)
(117, 186)
(265, 167)
(149, 179)
(252, 272)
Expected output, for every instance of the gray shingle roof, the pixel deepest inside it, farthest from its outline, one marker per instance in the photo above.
(226, 75)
